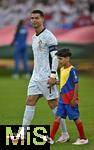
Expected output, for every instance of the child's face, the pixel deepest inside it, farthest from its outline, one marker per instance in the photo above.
(63, 61)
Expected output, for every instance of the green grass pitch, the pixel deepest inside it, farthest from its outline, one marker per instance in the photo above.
(12, 105)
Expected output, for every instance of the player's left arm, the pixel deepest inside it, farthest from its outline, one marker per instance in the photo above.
(73, 102)
(54, 66)
(76, 86)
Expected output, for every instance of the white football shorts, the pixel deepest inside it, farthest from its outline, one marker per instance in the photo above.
(42, 88)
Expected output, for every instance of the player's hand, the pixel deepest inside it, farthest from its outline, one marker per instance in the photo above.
(73, 102)
(51, 81)
(57, 82)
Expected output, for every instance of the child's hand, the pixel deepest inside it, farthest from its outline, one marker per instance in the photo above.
(57, 82)
(73, 102)
(51, 81)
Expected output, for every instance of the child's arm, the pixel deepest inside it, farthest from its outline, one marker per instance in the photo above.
(75, 96)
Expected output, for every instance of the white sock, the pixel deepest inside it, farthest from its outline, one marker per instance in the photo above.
(62, 122)
(63, 126)
(54, 110)
(28, 115)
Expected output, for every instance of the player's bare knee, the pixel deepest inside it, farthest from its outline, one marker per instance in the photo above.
(32, 100)
(77, 120)
(52, 104)
(57, 119)
(29, 101)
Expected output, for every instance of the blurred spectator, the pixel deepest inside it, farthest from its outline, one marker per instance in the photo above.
(53, 21)
(91, 9)
(85, 17)
(58, 13)
(83, 20)
(20, 49)
(69, 13)
(4, 3)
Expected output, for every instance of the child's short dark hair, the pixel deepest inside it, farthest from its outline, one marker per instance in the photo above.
(65, 52)
(38, 12)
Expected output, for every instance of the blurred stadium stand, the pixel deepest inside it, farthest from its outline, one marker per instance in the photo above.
(58, 13)
(72, 21)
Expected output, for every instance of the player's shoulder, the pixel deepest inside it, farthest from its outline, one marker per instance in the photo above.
(50, 37)
(47, 31)
(74, 70)
(73, 67)
(69, 69)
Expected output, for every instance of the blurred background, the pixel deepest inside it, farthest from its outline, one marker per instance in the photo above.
(72, 22)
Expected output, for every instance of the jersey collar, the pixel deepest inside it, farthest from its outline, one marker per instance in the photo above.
(40, 32)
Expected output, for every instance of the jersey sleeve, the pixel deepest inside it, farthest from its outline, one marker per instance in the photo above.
(74, 75)
(51, 40)
(52, 47)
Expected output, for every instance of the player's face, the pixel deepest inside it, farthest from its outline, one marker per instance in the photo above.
(63, 61)
(36, 20)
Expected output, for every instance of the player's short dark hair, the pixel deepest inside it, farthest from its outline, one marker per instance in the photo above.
(65, 52)
(38, 12)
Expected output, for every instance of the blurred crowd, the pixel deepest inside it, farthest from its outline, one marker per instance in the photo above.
(62, 14)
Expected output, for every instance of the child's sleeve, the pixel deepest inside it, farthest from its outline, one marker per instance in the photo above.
(74, 75)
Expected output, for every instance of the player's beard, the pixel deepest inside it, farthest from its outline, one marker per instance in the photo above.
(35, 26)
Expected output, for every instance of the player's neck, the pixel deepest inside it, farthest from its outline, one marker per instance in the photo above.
(67, 65)
(39, 30)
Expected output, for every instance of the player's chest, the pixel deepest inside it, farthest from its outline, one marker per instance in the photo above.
(65, 74)
(39, 44)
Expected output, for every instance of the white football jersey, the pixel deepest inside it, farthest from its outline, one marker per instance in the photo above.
(40, 47)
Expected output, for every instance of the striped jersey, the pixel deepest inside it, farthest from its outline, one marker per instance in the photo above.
(40, 47)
